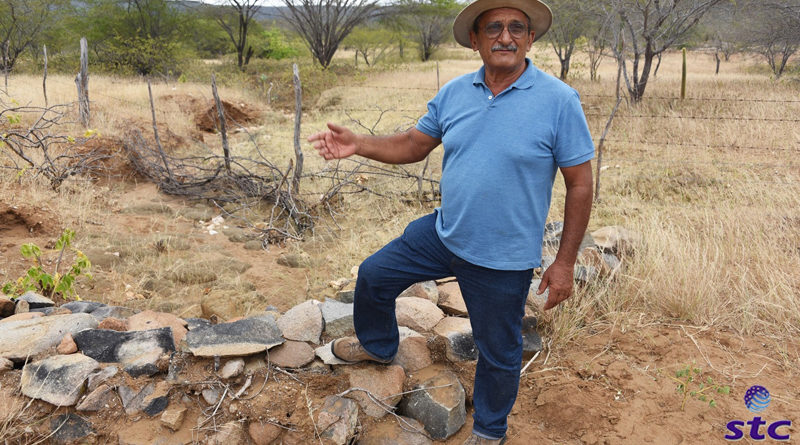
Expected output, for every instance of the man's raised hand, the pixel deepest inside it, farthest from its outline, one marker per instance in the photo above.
(335, 143)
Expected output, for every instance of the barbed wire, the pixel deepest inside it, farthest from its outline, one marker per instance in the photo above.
(759, 165)
(689, 144)
(701, 99)
(714, 118)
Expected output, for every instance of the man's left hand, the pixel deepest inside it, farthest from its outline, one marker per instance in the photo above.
(557, 277)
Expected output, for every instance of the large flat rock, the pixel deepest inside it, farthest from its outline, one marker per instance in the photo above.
(439, 403)
(28, 338)
(302, 322)
(239, 338)
(137, 351)
(59, 379)
(418, 314)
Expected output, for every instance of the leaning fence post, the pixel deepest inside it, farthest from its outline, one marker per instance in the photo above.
(44, 79)
(155, 131)
(5, 65)
(223, 129)
(82, 81)
(298, 113)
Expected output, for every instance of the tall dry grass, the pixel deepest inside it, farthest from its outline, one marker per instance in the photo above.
(711, 183)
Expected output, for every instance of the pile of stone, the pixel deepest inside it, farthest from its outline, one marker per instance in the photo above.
(68, 355)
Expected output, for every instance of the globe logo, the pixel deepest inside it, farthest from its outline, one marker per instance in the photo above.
(757, 398)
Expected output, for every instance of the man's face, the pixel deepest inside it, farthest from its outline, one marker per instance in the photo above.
(503, 38)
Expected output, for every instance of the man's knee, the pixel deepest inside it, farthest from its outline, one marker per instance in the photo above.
(369, 270)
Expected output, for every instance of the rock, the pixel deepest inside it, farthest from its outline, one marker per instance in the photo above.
(407, 332)
(82, 306)
(113, 324)
(345, 296)
(22, 307)
(263, 433)
(413, 354)
(392, 433)
(67, 345)
(98, 399)
(382, 382)
(294, 260)
(210, 395)
(172, 418)
(22, 316)
(450, 299)
(612, 262)
(458, 333)
(121, 312)
(68, 428)
(98, 377)
(7, 307)
(157, 401)
(616, 239)
(233, 368)
(292, 354)
(28, 338)
(255, 363)
(35, 301)
(220, 305)
(194, 323)
(326, 355)
(426, 289)
(137, 351)
(58, 380)
(441, 410)
(337, 419)
(585, 274)
(243, 337)
(531, 342)
(417, 313)
(193, 273)
(538, 300)
(231, 433)
(55, 311)
(338, 318)
(6, 364)
(555, 228)
(150, 320)
(134, 400)
(302, 322)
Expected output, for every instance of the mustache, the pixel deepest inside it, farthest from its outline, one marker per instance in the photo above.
(510, 47)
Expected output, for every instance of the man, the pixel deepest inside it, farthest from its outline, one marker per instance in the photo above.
(505, 129)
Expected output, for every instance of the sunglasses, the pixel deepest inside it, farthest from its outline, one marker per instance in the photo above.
(515, 28)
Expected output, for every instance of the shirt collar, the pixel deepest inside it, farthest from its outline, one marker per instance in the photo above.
(525, 80)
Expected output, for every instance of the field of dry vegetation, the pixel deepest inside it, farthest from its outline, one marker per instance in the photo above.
(711, 184)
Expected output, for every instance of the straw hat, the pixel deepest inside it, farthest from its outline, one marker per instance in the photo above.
(539, 13)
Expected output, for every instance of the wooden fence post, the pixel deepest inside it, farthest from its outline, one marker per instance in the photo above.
(155, 132)
(223, 129)
(298, 113)
(5, 65)
(82, 81)
(44, 79)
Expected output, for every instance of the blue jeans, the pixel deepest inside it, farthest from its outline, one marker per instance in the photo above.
(495, 301)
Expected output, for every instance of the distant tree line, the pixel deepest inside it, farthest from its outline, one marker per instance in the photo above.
(156, 36)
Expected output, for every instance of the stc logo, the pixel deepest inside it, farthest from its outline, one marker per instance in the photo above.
(756, 399)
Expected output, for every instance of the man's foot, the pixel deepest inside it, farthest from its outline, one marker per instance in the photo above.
(475, 439)
(349, 349)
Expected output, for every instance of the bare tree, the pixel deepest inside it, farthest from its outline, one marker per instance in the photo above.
(237, 24)
(773, 30)
(570, 24)
(325, 23)
(648, 28)
(21, 23)
(427, 22)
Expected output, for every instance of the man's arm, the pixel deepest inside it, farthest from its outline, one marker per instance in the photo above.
(577, 208)
(401, 148)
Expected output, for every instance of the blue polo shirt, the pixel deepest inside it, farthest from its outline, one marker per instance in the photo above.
(501, 154)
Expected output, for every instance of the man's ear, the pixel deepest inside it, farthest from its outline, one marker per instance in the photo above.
(530, 42)
(473, 39)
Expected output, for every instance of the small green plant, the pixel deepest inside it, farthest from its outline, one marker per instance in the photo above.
(691, 384)
(37, 279)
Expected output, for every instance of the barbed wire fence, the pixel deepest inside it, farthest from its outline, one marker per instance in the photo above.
(351, 176)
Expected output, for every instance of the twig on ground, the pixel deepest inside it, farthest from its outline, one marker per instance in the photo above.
(529, 362)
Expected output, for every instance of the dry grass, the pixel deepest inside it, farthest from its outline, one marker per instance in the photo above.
(712, 186)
